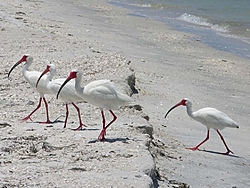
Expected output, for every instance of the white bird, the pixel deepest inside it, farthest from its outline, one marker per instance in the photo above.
(68, 93)
(211, 118)
(100, 93)
(31, 77)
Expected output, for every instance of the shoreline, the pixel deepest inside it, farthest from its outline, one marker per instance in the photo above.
(105, 42)
(209, 34)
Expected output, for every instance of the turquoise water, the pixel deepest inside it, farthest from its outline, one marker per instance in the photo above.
(222, 24)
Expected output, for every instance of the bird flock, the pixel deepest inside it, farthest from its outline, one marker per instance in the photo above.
(100, 93)
(103, 94)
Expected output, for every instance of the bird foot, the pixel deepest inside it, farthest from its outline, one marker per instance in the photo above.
(80, 127)
(228, 152)
(101, 137)
(46, 122)
(26, 119)
(193, 149)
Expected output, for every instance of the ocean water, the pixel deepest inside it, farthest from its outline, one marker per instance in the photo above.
(222, 24)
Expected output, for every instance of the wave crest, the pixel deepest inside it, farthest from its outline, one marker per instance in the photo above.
(201, 22)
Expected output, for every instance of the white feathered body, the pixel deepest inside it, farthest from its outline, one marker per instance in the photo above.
(213, 118)
(102, 93)
(68, 93)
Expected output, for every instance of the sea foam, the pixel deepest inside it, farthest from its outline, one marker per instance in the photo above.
(201, 22)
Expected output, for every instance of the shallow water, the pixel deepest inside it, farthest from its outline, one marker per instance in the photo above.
(223, 24)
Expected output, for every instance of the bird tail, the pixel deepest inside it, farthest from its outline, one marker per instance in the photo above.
(125, 98)
(235, 125)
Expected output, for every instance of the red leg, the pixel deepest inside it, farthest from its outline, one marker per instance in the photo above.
(228, 150)
(197, 147)
(114, 118)
(103, 132)
(47, 112)
(67, 114)
(103, 120)
(80, 120)
(38, 106)
(29, 116)
(101, 137)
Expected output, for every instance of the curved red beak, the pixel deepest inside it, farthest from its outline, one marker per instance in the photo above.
(43, 73)
(183, 102)
(23, 59)
(72, 75)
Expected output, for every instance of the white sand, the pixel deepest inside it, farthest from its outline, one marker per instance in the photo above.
(102, 40)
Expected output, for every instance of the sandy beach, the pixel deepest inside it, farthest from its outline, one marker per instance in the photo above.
(143, 149)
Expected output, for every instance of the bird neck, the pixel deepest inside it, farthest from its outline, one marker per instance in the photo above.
(25, 71)
(50, 76)
(26, 66)
(189, 110)
(78, 87)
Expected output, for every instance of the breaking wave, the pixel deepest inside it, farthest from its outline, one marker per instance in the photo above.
(201, 22)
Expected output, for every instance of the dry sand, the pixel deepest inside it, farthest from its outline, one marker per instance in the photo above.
(143, 148)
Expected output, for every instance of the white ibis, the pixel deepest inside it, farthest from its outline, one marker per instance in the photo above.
(68, 93)
(211, 118)
(31, 77)
(100, 93)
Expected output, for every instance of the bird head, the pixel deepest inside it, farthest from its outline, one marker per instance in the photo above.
(25, 58)
(183, 102)
(73, 74)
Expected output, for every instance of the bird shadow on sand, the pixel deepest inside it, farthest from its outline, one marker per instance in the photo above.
(111, 140)
(40, 122)
(57, 121)
(220, 153)
(86, 129)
